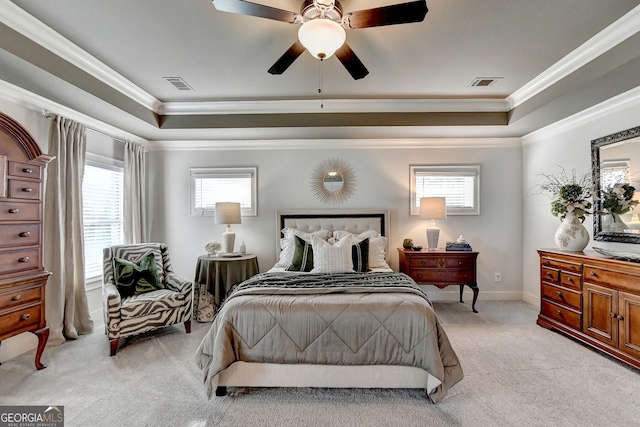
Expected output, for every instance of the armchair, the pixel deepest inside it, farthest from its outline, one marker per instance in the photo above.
(132, 315)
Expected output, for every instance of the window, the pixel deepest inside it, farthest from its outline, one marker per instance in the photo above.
(459, 184)
(211, 185)
(102, 213)
(614, 172)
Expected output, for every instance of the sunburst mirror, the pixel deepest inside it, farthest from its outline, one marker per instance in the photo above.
(333, 181)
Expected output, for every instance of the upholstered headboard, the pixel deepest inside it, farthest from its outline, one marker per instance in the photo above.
(354, 221)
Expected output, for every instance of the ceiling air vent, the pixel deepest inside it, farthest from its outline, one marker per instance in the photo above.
(178, 82)
(485, 81)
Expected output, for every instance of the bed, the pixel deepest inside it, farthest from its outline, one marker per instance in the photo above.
(331, 326)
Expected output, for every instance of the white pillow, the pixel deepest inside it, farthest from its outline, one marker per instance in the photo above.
(378, 252)
(339, 234)
(289, 233)
(288, 243)
(334, 258)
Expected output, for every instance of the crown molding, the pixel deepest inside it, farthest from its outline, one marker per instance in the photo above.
(335, 144)
(374, 105)
(34, 29)
(613, 105)
(614, 34)
(32, 101)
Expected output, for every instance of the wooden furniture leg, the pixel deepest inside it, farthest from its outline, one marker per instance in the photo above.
(221, 391)
(187, 326)
(43, 336)
(114, 346)
(476, 291)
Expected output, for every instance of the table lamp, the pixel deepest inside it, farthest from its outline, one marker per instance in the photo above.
(433, 208)
(228, 213)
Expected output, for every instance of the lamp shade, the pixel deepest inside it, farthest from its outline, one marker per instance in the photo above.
(321, 37)
(433, 207)
(228, 213)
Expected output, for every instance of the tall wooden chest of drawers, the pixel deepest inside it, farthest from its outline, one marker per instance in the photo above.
(593, 299)
(22, 275)
(441, 268)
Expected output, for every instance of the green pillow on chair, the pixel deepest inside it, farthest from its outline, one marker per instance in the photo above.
(136, 277)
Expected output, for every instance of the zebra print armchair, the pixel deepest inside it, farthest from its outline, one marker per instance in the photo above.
(127, 316)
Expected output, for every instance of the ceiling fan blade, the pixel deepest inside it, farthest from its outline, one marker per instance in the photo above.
(351, 62)
(287, 59)
(253, 9)
(403, 13)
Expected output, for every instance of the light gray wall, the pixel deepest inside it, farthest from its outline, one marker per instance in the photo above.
(382, 182)
(570, 149)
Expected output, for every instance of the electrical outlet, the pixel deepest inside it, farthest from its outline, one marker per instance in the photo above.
(498, 277)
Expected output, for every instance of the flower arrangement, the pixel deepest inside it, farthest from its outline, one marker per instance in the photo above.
(569, 194)
(618, 199)
(213, 247)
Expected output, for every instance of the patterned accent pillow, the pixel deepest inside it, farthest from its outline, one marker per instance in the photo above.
(288, 243)
(332, 258)
(360, 256)
(303, 256)
(136, 277)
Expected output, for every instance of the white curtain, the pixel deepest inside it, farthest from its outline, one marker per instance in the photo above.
(67, 311)
(134, 193)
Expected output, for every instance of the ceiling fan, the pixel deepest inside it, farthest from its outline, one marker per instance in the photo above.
(323, 25)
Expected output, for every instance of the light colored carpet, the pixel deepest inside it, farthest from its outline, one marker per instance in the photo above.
(516, 374)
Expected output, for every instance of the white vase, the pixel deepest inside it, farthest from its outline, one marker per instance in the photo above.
(572, 235)
(613, 222)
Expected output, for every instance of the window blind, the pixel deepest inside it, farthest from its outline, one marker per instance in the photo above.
(457, 189)
(102, 214)
(209, 190)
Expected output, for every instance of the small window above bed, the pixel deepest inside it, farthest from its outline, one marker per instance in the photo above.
(212, 185)
(459, 184)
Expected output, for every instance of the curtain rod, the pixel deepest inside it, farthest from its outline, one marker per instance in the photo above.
(49, 114)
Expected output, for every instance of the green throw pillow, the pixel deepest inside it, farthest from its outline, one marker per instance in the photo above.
(360, 256)
(136, 277)
(302, 257)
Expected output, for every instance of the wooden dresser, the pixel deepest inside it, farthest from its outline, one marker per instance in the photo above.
(22, 275)
(593, 299)
(441, 268)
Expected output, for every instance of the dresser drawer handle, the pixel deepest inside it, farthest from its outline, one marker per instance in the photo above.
(27, 170)
(423, 262)
(558, 312)
(24, 234)
(571, 279)
(464, 276)
(419, 276)
(549, 274)
(16, 297)
(27, 189)
(459, 262)
(593, 273)
(558, 293)
(13, 211)
(616, 316)
(26, 316)
(24, 259)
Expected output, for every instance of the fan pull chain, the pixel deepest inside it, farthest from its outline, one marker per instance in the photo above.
(320, 84)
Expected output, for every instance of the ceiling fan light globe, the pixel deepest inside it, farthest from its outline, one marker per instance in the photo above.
(322, 37)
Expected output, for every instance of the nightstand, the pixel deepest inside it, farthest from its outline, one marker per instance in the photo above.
(441, 268)
(215, 278)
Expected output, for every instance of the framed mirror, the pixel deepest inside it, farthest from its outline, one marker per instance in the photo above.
(333, 181)
(615, 159)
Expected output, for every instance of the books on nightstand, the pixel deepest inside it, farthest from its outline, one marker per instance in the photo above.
(455, 246)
